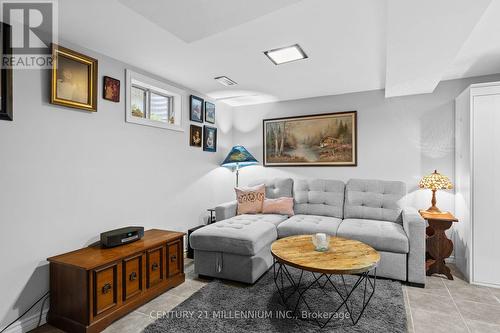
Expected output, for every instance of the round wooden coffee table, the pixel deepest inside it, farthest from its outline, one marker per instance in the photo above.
(344, 257)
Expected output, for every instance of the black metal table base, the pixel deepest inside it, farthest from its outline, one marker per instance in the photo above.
(284, 280)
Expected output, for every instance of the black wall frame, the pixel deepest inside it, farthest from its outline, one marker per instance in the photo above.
(6, 109)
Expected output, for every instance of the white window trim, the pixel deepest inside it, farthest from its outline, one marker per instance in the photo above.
(133, 78)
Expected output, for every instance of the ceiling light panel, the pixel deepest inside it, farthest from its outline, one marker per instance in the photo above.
(224, 80)
(286, 54)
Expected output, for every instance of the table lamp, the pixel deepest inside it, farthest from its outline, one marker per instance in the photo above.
(238, 158)
(435, 181)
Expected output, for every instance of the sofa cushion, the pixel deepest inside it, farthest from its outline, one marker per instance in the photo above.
(374, 200)
(319, 197)
(269, 218)
(307, 225)
(276, 187)
(381, 235)
(242, 234)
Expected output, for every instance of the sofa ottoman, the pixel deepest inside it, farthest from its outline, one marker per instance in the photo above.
(237, 248)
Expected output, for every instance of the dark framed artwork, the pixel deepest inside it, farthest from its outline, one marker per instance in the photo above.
(196, 109)
(210, 112)
(195, 135)
(111, 89)
(6, 106)
(328, 139)
(209, 138)
(74, 79)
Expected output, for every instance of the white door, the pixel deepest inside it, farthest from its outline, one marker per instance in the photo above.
(486, 189)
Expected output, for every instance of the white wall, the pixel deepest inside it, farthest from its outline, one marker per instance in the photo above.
(67, 175)
(399, 138)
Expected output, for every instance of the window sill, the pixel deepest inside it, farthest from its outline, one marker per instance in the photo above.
(157, 124)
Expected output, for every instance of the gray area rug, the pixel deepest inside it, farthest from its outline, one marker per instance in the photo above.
(223, 306)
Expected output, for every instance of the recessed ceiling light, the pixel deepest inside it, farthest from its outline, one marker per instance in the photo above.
(224, 80)
(286, 54)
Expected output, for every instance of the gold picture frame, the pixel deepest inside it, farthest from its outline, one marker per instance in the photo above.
(73, 79)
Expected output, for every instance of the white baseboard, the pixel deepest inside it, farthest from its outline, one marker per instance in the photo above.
(486, 284)
(27, 324)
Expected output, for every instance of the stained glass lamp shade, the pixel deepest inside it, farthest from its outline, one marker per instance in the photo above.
(435, 181)
(238, 158)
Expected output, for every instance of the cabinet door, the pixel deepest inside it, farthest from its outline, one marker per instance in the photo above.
(105, 288)
(174, 258)
(132, 276)
(154, 266)
(486, 189)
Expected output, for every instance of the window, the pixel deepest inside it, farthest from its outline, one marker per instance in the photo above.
(159, 108)
(138, 102)
(153, 103)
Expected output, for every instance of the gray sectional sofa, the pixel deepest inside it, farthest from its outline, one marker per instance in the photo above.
(237, 247)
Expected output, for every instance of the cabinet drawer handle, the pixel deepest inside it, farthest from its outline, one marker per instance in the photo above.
(132, 276)
(173, 258)
(154, 267)
(106, 288)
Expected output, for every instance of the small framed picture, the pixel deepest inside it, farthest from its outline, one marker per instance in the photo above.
(210, 112)
(74, 79)
(195, 136)
(196, 109)
(111, 89)
(209, 138)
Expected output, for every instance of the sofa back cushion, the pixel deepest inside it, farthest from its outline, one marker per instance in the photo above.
(323, 197)
(276, 187)
(374, 200)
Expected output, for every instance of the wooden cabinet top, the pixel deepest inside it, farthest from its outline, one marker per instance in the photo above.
(95, 256)
(444, 216)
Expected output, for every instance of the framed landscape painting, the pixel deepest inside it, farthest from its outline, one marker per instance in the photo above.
(328, 139)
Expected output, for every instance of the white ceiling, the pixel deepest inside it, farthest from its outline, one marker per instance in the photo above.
(200, 18)
(423, 37)
(480, 54)
(353, 45)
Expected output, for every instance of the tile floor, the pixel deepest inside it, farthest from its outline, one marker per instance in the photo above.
(452, 306)
(442, 306)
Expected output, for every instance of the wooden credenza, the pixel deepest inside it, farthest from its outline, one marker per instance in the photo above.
(92, 287)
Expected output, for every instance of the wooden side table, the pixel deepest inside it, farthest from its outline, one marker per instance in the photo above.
(438, 245)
